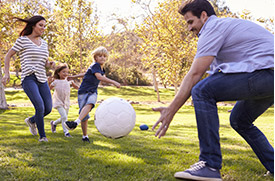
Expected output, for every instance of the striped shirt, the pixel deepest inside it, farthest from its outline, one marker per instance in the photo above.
(32, 57)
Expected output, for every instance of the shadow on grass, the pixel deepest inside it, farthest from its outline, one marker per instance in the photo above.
(138, 156)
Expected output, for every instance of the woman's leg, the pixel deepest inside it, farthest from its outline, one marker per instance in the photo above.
(40, 96)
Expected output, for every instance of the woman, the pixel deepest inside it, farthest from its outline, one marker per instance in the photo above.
(33, 54)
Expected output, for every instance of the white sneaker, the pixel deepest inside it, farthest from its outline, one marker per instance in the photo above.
(44, 139)
(31, 125)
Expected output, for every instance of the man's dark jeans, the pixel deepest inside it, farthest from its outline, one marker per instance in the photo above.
(254, 93)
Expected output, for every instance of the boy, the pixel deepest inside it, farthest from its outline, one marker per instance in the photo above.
(87, 93)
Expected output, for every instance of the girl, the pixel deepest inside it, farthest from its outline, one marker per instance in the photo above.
(61, 96)
(33, 53)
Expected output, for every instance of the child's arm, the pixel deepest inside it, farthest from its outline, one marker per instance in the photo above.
(107, 80)
(76, 86)
(50, 64)
(50, 80)
(75, 76)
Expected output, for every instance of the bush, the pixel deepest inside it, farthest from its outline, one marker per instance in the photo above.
(131, 76)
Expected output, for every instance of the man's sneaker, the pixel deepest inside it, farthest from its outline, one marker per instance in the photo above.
(68, 135)
(31, 125)
(53, 127)
(86, 139)
(44, 139)
(71, 125)
(199, 171)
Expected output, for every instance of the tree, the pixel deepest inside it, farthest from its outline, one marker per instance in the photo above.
(123, 48)
(168, 48)
(5, 12)
(74, 33)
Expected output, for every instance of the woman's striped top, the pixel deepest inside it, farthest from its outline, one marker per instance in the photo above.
(32, 57)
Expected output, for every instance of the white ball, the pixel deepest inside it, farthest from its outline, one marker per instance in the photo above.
(115, 118)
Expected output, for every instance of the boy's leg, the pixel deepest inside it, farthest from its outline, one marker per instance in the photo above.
(85, 111)
(86, 103)
(84, 126)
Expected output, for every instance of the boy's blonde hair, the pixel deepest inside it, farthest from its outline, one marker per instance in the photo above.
(100, 51)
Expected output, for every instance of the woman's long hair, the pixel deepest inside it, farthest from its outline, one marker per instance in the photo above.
(30, 23)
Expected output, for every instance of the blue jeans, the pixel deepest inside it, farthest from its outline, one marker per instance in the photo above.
(41, 98)
(254, 93)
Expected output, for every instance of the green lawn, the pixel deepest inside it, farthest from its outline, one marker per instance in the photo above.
(138, 156)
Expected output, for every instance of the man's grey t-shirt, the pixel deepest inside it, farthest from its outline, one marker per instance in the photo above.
(238, 45)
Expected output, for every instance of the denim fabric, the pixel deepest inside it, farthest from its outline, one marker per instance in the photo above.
(254, 93)
(84, 99)
(40, 96)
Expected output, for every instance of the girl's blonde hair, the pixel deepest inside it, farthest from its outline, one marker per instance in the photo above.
(100, 51)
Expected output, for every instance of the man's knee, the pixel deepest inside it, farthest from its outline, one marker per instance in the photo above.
(196, 92)
(233, 121)
(239, 121)
(200, 92)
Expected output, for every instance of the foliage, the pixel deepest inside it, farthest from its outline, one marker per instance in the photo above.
(73, 33)
(124, 54)
(167, 46)
(128, 76)
(138, 156)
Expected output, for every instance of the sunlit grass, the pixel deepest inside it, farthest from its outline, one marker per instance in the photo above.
(138, 156)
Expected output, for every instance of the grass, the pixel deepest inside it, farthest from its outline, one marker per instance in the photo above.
(138, 156)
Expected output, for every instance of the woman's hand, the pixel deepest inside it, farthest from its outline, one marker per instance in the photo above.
(6, 79)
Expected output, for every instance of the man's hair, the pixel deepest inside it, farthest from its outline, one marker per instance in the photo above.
(197, 7)
(100, 51)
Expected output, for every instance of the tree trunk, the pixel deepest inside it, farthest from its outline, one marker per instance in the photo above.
(3, 102)
(80, 42)
(155, 84)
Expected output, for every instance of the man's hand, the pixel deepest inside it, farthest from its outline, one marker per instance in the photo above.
(166, 116)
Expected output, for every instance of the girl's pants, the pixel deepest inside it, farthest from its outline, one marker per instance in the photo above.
(64, 115)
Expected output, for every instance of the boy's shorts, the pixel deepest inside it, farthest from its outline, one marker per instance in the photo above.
(84, 99)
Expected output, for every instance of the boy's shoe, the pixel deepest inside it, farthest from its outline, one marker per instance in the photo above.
(199, 171)
(44, 139)
(53, 127)
(71, 125)
(86, 139)
(31, 125)
(68, 135)
(269, 174)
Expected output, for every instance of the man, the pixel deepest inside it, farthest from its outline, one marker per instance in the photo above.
(240, 55)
